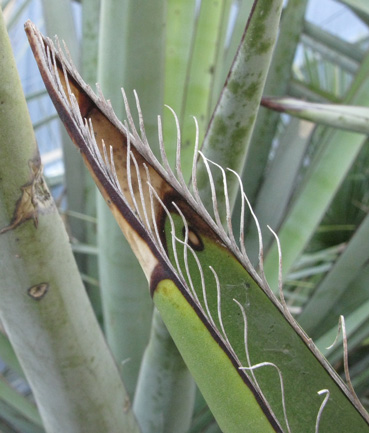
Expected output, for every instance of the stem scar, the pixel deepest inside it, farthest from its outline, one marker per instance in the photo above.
(35, 198)
(38, 291)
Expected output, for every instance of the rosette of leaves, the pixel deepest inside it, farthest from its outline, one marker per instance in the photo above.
(255, 366)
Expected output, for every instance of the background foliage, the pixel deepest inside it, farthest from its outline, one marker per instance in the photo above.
(309, 182)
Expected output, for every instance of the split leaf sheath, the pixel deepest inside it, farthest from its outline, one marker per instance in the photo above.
(256, 368)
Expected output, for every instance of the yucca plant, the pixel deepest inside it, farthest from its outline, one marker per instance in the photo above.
(257, 370)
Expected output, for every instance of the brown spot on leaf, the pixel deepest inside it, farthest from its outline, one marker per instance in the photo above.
(38, 291)
(194, 239)
(127, 405)
(35, 198)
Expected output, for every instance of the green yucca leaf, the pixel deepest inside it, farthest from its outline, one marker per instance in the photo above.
(44, 307)
(256, 368)
(359, 6)
(230, 129)
(348, 117)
